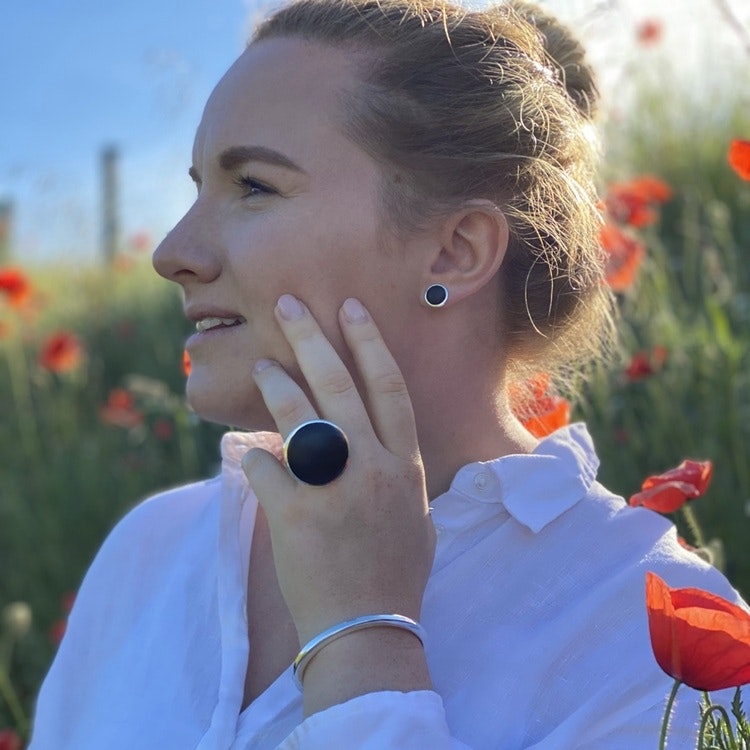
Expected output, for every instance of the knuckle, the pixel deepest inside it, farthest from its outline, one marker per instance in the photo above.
(389, 382)
(336, 382)
(291, 411)
(305, 330)
(368, 334)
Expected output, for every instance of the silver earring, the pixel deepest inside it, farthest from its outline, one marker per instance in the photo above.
(436, 295)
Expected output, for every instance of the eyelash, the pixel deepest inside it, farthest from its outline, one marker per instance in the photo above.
(252, 185)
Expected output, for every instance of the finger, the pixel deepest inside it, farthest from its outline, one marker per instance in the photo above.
(285, 400)
(330, 382)
(268, 479)
(388, 401)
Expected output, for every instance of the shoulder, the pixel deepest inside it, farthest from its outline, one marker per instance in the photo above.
(147, 557)
(132, 601)
(642, 540)
(150, 541)
(163, 518)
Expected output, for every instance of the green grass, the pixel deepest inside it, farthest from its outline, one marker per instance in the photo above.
(693, 297)
(67, 476)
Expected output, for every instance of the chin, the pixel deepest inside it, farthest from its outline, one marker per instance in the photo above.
(239, 407)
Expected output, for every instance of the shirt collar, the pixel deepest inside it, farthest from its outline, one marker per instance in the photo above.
(535, 488)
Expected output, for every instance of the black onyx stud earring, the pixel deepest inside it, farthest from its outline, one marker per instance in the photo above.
(436, 295)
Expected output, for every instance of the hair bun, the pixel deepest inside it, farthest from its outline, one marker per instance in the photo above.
(566, 54)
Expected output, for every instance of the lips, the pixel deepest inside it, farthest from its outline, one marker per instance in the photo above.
(208, 319)
(208, 324)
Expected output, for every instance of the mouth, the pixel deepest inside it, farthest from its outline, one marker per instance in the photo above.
(209, 324)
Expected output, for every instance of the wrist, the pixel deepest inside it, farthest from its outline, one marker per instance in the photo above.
(365, 661)
(347, 627)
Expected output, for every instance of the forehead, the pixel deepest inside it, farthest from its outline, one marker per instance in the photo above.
(282, 93)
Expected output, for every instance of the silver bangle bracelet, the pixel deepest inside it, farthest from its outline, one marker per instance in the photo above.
(350, 626)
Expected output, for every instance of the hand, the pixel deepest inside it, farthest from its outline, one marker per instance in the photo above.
(364, 543)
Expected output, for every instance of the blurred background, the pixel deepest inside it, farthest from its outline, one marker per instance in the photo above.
(81, 76)
(100, 103)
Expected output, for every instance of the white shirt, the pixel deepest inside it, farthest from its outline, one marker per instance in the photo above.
(535, 615)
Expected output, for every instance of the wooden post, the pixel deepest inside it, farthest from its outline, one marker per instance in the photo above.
(6, 229)
(110, 218)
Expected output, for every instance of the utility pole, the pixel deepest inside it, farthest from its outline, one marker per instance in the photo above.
(110, 218)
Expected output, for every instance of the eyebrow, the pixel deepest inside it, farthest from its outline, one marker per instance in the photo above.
(235, 156)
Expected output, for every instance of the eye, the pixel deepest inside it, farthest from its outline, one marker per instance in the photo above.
(193, 173)
(253, 188)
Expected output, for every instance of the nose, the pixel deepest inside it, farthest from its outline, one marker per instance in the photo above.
(187, 253)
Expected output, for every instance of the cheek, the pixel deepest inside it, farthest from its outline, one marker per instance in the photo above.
(321, 250)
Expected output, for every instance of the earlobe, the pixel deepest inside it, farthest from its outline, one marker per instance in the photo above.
(472, 248)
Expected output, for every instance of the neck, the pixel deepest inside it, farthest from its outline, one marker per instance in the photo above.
(461, 420)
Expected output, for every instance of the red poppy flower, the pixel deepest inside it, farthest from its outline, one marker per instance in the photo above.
(186, 363)
(163, 429)
(624, 255)
(639, 367)
(67, 601)
(685, 544)
(621, 436)
(697, 637)
(61, 352)
(543, 413)
(554, 413)
(140, 241)
(123, 263)
(58, 627)
(644, 364)
(633, 202)
(120, 411)
(125, 329)
(739, 158)
(668, 492)
(649, 32)
(15, 285)
(57, 631)
(9, 740)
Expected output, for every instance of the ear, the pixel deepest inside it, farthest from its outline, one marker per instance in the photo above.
(473, 243)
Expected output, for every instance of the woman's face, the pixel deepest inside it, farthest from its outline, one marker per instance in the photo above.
(286, 204)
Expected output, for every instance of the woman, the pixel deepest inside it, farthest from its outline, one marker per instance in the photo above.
(395, 220)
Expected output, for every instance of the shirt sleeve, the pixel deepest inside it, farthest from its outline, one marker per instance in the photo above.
(387, 720)
(416, 720)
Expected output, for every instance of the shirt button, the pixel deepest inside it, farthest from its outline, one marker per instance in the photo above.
(481, 480)
(439, 529)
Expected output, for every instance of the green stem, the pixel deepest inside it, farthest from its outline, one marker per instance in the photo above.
(727, 724)
(668, 714)
(19, 383)
(9, 694)
(695, 528)
(185, 441)
(6, 652)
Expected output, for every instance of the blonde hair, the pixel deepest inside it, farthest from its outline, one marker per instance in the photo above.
(493, 104)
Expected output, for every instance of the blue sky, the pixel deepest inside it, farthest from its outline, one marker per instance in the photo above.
(81, 74)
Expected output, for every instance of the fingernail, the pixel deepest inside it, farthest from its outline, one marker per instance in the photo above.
(354, 312)
(262, 364)
(290, 308)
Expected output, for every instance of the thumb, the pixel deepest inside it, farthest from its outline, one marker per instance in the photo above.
(266, 476)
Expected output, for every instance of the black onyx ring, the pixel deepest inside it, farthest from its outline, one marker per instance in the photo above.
(316, 452)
